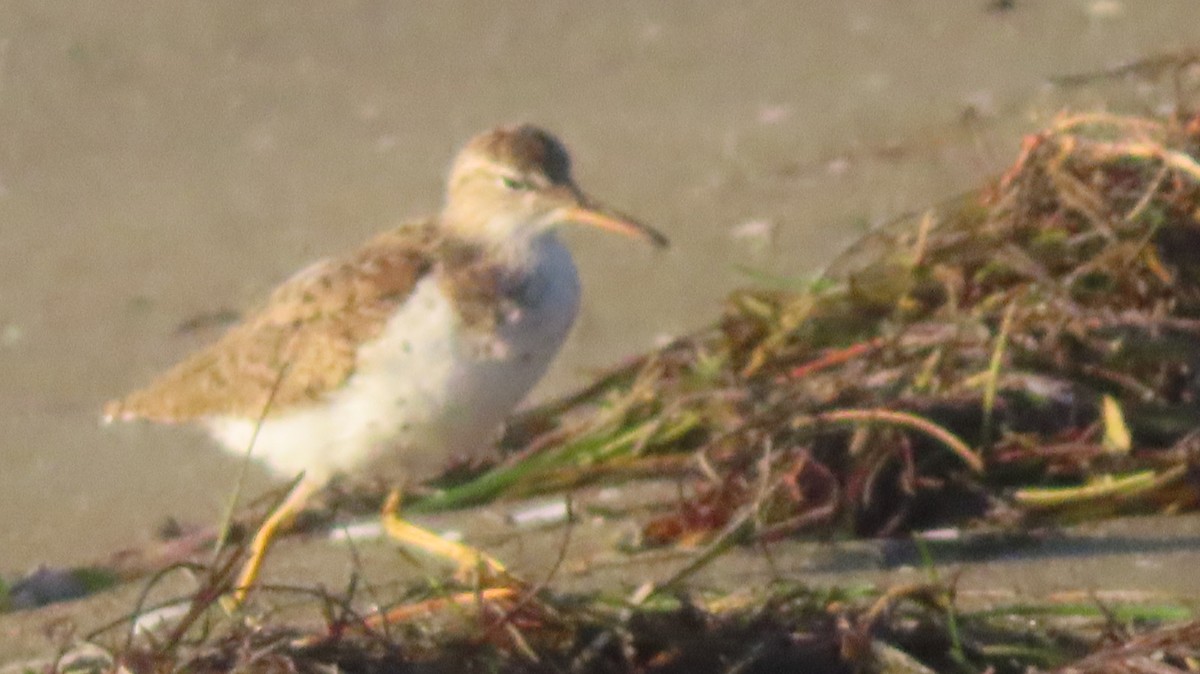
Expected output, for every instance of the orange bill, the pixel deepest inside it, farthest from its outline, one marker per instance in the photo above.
(613, 222)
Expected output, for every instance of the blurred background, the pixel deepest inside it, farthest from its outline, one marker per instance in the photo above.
(162, 165)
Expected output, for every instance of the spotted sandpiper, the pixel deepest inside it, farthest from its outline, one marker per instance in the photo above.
(409, 350)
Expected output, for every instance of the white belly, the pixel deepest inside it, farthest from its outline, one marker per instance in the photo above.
(425, 390)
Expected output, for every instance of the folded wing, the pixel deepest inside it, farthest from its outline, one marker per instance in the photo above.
(298, 346)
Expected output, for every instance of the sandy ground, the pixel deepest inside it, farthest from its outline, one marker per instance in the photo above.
(162, 164)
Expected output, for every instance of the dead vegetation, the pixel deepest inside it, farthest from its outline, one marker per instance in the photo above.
(907, 629)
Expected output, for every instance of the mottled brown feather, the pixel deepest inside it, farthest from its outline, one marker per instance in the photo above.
(311, 325)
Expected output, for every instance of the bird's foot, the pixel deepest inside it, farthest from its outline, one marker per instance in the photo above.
(474, 567)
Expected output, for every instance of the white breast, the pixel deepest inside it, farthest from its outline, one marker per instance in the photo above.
(426, 389)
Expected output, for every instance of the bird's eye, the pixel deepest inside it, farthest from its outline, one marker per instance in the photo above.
(515, 184)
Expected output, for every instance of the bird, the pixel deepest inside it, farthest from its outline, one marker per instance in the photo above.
(406, 351)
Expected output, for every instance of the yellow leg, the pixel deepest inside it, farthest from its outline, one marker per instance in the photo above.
(467, 558)
(279, 520)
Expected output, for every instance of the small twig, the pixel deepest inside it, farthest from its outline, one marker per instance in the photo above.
(530, 593)
(1144, 201)
(201, 600)
(140, 608)
(857, 416)
(928, 221)
(1129, 486)
(834, 357)
(992, 384)
(461, 600)
(1146, 150)
(733, 533)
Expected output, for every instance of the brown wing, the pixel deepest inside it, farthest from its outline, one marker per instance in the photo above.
(303, 340)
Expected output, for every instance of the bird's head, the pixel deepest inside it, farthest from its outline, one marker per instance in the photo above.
(514, 183)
